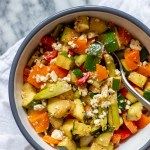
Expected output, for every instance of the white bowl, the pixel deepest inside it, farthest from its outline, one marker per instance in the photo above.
(134, 26)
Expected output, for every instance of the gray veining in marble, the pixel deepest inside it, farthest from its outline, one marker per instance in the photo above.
(18, 17)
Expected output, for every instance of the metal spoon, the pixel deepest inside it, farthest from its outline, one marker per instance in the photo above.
(144, 101)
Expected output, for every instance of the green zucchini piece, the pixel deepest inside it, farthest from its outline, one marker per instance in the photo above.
(104, 138)
(81, 129)
(68, 143)
(121, 101)
(90, 63)
(52, 90)
(95, 130)
(64, 61)
(82, 24)
(144, 54)
(95, 49)
(56, 122)
(78, 111)
(110, 41)
(110, 65)
(130, 97)
(77, 94)
(28, 93)
(58, 108)
(67, 128)
(68, 35)
(146, 94)
(116, 83)
(114, 111)
(79, 60)
(137, 79)
(57, 30)
(135, 111)
(62, 148)
(78, 73)
(86, 140)
(97, 25)
(73, 77)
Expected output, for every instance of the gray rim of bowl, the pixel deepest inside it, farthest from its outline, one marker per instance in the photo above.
(34, 31)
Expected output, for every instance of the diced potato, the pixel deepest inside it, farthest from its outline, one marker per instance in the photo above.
(78, 111)
(81, 129)
(130, 97)
(56, 122)
(68, 143)
(135, 111)
(82, 24)
(137, 79)
(58, 108)
(97, 25)
(67, 128)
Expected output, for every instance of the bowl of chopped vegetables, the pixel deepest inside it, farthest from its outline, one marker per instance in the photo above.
(65, 87)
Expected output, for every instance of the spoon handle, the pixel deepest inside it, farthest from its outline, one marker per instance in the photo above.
(144, 101)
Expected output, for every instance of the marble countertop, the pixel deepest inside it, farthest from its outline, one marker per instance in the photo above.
(19, 17)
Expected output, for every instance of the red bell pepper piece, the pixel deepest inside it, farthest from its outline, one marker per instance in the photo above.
(124, 91)
(71, 53)
(26, 73)
(47, 42)
(49, 55)
(124, 36)
(83, 80)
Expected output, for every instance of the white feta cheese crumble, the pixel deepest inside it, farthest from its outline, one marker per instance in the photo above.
(83, 91)
(54, 76)
(145, 63)
(128, 102)
(95, 111)
(53, 61)
(40, 78)
(90, 81)
(110, 91)
(104, 91)
(97, 122)
(38, 107)
(135, 44)
(72, 44)
(89, 113)
(67, 78)
(91, 35)
(57, 46)
(127, 107)
(57, 134)
(105, 104)
(117, 72)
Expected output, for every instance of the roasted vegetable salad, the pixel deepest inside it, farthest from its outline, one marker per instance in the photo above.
(73, 93)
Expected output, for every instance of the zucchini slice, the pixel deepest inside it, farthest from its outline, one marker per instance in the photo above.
(68, 35)
(52, 90)
(82, 24)
(58, 108)
(86, 140)
(28, 93)
(67, 128)
(104, 138)
(81, 129)
(137, 79)
(78, 111)
(68, 143)
(56, 122)
(97, 25)
(135, 111)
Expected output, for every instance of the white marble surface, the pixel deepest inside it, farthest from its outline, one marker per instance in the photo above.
(18, 17)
